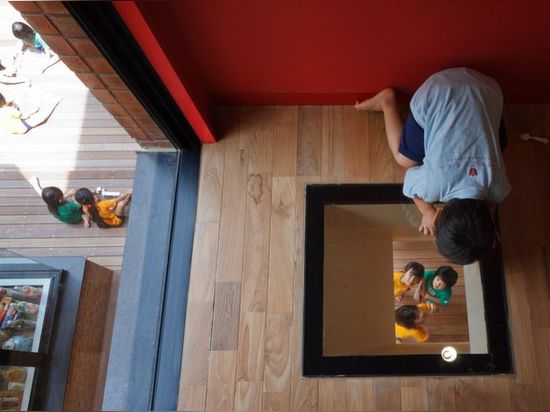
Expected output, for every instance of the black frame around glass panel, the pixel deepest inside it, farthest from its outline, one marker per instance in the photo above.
(496, 361)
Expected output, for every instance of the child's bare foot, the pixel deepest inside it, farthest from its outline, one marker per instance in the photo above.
(377, 102)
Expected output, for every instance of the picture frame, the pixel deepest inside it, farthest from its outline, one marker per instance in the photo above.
(28, 300)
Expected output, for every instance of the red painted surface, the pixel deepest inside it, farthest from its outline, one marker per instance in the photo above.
(187, 93)
(332, 52)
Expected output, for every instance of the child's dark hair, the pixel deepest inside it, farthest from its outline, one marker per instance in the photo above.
(86, 198)
(417, 269)
(52, 196)
(447, 275)
(406, 316)
(465, 230)
(23, 32)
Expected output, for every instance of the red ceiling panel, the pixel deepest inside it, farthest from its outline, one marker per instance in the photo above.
(283, 51)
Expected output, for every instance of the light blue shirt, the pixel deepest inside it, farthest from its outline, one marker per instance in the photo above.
(460, 111)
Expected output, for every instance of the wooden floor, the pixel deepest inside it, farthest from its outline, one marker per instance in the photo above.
(81, 145)
(244, 321)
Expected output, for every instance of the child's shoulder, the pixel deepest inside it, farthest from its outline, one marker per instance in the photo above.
(106, 202)
(428, 273)
(69, 204)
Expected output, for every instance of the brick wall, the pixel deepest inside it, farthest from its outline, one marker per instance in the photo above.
(64, 35)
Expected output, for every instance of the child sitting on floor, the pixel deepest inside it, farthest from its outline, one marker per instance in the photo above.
(412, 274)
(437, 285)
(451, 147)
(15, 121)
(105, 213)
(409, 322)
(61, 205)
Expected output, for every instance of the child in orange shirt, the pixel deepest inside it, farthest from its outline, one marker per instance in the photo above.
(412, 275)
(409, 322)
(105, 213)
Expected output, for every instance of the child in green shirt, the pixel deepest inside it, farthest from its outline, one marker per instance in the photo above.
(61, 205)
(436, 285)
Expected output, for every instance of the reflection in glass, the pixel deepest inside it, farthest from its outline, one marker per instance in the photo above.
(364, 246)
(15, 387)
(22, 309)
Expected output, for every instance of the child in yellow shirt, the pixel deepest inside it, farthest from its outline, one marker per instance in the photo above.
(409, 322)
(105, 213)
(12, 120)
(412, 275)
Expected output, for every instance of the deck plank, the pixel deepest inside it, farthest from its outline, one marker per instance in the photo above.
(80, 145)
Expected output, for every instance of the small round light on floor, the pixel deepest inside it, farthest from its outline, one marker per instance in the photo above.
(448, 353)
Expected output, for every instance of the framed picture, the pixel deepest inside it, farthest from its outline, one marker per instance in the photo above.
(16, 387)
(28, 300)
(27, 308)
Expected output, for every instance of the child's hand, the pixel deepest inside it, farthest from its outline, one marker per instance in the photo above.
(398, 298)
(427, 226)
(430, 307)
(427, 210)
(86, 219)
(417, 296)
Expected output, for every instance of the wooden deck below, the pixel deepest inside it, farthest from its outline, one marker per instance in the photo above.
(81, 145)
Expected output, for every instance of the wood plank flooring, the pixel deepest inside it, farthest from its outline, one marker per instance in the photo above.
(249, 241)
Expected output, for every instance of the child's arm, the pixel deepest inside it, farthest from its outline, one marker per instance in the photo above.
(428, 307)
(86, 219)
(422, 334)
(420, 291)
(428, 212)
(437, 300)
